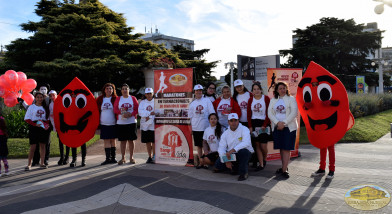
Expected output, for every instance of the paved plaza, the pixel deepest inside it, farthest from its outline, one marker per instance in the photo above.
(155, 188)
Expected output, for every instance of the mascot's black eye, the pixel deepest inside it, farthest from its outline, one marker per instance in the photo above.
(307, 94)
(81, 101)
(324, 92)
(67, 100)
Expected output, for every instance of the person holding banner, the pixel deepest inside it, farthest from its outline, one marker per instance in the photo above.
(37, 116)
(126, 108)
(199, 110)
(146, 112)
(211, 138)
(259, 123)
(210, 92)
(235, 149)
(225, 105)
(283, 112)
(107, 121)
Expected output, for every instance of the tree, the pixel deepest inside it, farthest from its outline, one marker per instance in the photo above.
(194, 59)
(341, 46)
(87, 40)
(228, 76)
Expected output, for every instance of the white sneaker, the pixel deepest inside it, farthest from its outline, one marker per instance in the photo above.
(7, 173)
(330, 175)
(319, 172)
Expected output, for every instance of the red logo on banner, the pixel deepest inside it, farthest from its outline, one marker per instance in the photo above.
(294, 76)
(172, 140)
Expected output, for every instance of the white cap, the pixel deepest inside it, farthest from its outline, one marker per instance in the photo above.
(233, 116)
(148, 90)
(52, 92)
(238, 82)
(198, 87)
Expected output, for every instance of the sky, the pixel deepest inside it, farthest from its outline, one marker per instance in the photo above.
(227, 27)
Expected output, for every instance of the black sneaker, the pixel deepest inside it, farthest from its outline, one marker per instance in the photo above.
(330, 175)
(149, 160)
(243, 177)
(280, 171)
(286, 174)
(319, 172)
(259, 168)
(60, 162)
(107, 161)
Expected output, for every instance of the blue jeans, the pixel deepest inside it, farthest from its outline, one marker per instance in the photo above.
(241, 163)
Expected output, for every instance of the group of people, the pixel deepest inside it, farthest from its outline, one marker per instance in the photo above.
(226, 130)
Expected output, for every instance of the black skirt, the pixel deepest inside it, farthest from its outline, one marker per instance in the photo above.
(38, 135)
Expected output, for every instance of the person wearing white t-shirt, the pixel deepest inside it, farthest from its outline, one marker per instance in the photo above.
(283, 111)
(199, 110)
(126, 108)
(235, 141)
(259, 123)
(211, 138)
(107, 121)
(147, 114)
(225, 105)
(210, 91)
(63, 158)
(241, 96)
(37, 116)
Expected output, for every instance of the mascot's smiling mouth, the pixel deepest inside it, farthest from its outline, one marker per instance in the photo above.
(80, 126)
(330, 121)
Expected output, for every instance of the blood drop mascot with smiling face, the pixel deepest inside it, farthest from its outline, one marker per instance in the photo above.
(324, 107)
(76, 116)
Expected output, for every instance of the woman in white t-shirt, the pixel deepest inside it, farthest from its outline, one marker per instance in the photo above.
(147, 114)
(241, 96)
(283, 112)
(107, 121)
(259, 123)
(199, 110)
(37, 116)
(211, 138)
(225, 105)
(126, 109)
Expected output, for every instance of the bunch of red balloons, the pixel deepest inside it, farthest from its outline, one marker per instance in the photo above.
(14, 85)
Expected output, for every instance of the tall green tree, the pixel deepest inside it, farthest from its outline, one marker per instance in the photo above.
(341, 46)
(85, 40)
(194, 59)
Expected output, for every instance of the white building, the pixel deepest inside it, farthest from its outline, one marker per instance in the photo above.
(168, 41)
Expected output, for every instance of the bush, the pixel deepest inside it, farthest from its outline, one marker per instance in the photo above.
(368, 104)
(14, 118)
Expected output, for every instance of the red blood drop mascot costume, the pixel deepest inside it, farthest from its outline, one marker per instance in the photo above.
(323, 104)
(76, 117)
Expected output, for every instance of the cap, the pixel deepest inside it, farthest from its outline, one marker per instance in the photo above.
(198, 87)
(52, 92)
(233, 116)
(238, 82)
(148, 90)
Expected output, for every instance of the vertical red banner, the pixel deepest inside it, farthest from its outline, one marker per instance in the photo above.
(173, 132)
(291, 76)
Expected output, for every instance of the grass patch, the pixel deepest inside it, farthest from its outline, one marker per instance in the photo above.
(366, 129)
(19, 147)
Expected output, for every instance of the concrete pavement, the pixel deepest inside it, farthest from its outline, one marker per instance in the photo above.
(154, 188)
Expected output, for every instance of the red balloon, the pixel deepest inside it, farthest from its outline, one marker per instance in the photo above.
(21, 78)
(4, 82)
(3, 91)
(10, 100)
(28, 85)
(11, 76)
(28, 98)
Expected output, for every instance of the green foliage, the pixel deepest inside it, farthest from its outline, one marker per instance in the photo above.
(369, 104)
(366, 129)
(87, 40)
(194, 59)
(341, 46)
(20, 147)
(228, 76)
(14, 118)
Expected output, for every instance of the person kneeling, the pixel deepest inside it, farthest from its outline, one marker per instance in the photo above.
(235, 149)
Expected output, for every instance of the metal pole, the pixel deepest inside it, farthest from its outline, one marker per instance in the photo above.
(380, 73)
(231, 78)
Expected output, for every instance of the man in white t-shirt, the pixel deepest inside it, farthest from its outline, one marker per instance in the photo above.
(235, 140)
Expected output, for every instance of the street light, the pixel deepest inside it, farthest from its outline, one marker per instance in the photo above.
(232, 66)
(380, 61)
(380, 8)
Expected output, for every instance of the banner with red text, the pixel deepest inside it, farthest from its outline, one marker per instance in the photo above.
(173, 132)
(291, 76)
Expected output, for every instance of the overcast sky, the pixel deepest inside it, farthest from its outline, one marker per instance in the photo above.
(226, 27)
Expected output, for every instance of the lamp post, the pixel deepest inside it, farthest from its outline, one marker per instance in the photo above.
(380, 61)
(232, 66)
(380, 8)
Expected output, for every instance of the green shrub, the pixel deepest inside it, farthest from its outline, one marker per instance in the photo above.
(14, 118)
(368, 104)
